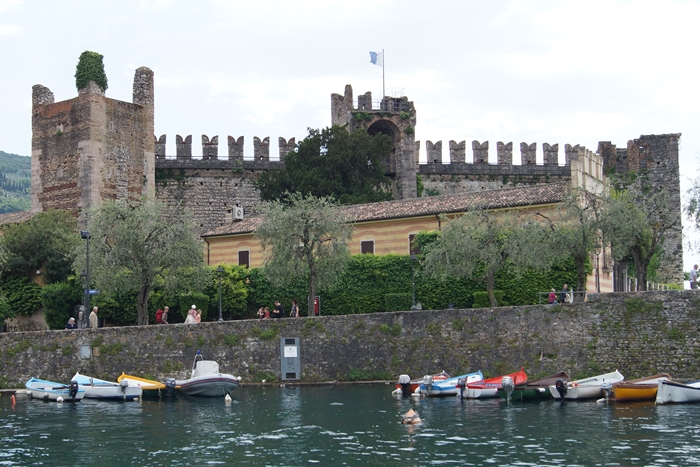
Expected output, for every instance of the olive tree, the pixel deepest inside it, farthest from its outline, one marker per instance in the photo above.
(304, 237)
(134, 244)
(480, 243)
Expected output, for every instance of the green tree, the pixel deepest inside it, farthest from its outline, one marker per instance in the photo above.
(135, 244)
(307, 237)
(480, 243)
(90, 68)
(46, 242)
(333, 162)
(234, 294)
(691, 209)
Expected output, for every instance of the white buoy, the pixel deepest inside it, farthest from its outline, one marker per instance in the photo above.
(227, 398)
(60, 399)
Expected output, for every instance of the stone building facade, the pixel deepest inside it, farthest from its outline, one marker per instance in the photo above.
(91, 147)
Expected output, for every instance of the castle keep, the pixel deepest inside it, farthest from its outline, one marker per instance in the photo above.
(91, 148)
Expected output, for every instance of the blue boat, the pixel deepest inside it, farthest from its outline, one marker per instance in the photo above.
(447, 387)
(50, 391)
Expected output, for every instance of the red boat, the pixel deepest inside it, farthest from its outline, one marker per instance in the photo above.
(489, 387)
(406, 386)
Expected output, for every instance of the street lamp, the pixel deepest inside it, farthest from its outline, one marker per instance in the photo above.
(597, 272)
(220, 272)
(413, 280)
(85, 235)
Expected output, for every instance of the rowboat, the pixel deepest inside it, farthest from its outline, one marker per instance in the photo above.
(96, 388)
(149, 387)
(50, 391)
(406, 386)
(533, 390)
(585, 388)
(635, 389)
(671, 392)
(206, 379)
(489, 387)
(446, 387)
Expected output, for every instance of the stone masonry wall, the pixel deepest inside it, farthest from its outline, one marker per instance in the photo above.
(638, 333)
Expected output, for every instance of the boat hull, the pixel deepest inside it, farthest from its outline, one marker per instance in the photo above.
(535, 390)
(96, 388)
(51, 391)
(638, 389)
(671, 392)
(587, 388)
(149, 388)
(208, 386)
(448, 387)
(489, 387)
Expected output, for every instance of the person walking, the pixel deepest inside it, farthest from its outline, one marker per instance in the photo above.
(164, 318)
(71, 324)
(552, 297)
(278, 312)
(295, 309)
(198, 316)
(694, 277)
(159, 316)
(93, 318)
(190, 316)
(564, 295)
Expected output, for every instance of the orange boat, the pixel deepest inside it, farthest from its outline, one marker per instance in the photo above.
(489, 387)
(636, 389)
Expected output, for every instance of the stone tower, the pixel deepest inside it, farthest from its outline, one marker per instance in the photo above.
(392, 116)
(657, 157)
(91, 148)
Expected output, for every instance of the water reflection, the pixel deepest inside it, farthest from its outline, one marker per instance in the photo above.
(347, 426)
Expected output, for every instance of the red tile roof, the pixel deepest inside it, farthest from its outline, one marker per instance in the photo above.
(433, 205)
(15, 217)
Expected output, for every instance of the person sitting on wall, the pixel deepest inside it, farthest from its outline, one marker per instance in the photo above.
(266, 313)
(71, 324)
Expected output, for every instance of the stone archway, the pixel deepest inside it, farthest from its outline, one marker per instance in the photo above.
(387, 127)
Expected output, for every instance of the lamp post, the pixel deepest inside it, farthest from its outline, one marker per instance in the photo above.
(413, 260)
(83, 280)
(85, 235)
(597, 272)
(220, 272)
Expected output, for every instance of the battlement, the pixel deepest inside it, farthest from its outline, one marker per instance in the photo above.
(210, 148)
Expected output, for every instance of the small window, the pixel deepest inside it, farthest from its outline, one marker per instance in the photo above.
(367, 247)
(244, 258)
(413, 249)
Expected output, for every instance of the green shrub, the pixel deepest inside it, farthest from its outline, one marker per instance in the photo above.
(18, 296)
(200, 300)
(59, 301)
(90, 68)
(481, 299)
(397, 301)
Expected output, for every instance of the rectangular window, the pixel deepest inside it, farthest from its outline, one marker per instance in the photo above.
(244, 258)
(367, 247)
(412, 249)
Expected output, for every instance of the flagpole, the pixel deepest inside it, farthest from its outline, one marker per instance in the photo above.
(383, 88)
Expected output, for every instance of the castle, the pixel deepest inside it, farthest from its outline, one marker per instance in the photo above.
(91, 148)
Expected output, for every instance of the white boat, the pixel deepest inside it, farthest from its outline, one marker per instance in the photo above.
(207, 380)
(446, 387)
(671, 392)
(585, 388)
(96, 388)
(50, 391)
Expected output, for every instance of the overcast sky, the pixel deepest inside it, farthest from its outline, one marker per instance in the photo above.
(551, 71)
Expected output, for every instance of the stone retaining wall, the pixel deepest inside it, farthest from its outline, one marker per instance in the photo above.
(638, 333)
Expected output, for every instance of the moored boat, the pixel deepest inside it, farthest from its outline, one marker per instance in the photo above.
(533, 390)
(671, 392)
(96, 388)
(149, 387)
(489, 387)
(635, 389)
(206, 379)
(446, 387)
(585, 388)
(50, 391)
(406, 386)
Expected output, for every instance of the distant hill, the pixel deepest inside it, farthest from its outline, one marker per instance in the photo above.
(15, 182)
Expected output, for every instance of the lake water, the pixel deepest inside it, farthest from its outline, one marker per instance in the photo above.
(345, 426)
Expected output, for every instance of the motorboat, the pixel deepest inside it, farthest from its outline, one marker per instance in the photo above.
(406, 386)
(96, 388)
(635, 389)
(489, 387)
(50, 391)
(206, 379)
(447, 387)
(585, 388)
(671, 392)
(534, 390)
(149, 387)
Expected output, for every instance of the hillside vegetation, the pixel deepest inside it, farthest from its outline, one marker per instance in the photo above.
(15, 183)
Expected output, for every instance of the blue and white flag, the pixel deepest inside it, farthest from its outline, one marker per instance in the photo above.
(377, 58)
